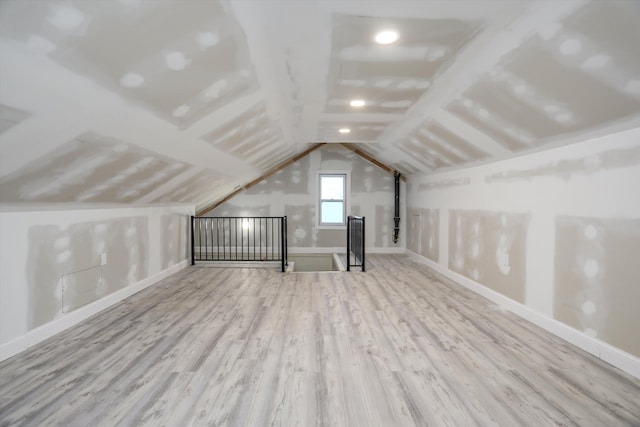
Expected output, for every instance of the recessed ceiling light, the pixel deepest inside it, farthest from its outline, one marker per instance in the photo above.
(344, 130)
(357, 103)
(386, 37)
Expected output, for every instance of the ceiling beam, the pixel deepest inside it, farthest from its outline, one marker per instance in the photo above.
(261, 178)
(372, 160)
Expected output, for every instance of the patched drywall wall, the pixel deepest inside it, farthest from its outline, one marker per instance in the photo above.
(56, 263)
(175, 231)
(425, 232)
(558, 231)
(489, 247)
(597, 281)
(293, 191)
(64, 264)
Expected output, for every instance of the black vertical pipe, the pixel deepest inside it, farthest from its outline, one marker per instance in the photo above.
(396, 212)
(349, 243)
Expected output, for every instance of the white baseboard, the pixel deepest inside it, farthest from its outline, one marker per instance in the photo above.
(343, 250)
(323, 250)
(385, 250)
(68, 320)
(602, 350)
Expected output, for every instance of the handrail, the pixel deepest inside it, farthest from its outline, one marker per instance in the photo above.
(355, 241)
(238, 239)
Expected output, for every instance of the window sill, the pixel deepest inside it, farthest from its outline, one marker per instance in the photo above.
(331, 227)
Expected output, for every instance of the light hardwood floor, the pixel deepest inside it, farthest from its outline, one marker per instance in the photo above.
(398, 345)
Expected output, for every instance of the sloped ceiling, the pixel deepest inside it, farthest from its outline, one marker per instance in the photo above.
(182, 101)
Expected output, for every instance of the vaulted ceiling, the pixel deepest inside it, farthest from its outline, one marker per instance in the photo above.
(182, 101)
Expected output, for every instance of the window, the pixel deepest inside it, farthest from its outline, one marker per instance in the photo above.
(332, 203)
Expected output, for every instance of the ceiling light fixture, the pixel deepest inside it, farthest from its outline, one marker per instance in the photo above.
(344, 130)
(357, 103)
(386, 37)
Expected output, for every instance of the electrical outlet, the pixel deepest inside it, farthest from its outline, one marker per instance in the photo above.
(103, 259)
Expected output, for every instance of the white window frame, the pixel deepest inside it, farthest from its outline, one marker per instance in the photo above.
(347, 199)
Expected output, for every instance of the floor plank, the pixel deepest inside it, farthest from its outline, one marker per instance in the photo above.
(397, 345)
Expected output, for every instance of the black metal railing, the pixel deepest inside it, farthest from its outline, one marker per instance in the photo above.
(236, 239)
(355, 242)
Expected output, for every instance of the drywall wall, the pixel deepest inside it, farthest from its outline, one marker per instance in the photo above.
(58, 267)
(557, 231)
(293, 192)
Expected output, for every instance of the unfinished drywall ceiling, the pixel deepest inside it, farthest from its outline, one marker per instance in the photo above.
(90, 169)
(222, 91)
(115, 102)
(388, 79)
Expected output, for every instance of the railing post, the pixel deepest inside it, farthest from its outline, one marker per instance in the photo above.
(362, 248)
(286, 242)
(193, 237)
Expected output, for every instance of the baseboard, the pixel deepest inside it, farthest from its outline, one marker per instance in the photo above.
(343, 250)
(323, 250)
(385, 250)
(600, 349)
(56, 326)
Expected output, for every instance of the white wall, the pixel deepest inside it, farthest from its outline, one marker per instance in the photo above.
(567, 219)
(52, 273)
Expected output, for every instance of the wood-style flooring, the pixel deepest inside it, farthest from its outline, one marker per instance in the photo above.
(398, 345)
